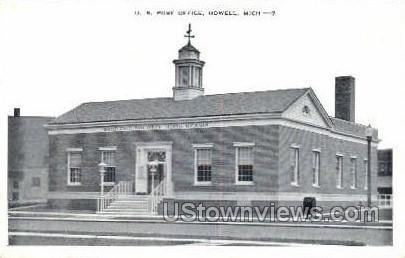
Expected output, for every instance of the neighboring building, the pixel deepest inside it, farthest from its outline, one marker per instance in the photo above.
(28, 155)
(384, 179)
(240, 148)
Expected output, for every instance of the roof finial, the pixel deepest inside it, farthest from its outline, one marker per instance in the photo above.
(188, 33)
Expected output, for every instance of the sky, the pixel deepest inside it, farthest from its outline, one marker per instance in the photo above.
(58, 54)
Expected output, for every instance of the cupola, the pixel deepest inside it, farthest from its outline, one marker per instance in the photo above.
(189, 72)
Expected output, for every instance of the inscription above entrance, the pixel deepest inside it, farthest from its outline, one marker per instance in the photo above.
(170, 126)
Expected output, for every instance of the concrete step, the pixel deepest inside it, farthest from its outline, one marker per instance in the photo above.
(132, 197)
(134, 213)
(130, 201)
(125, 209)
(129, 205)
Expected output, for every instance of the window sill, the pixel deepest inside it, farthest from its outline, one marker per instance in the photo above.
(353, 188)
(202, 183)
(108, 184)
(74, 184)
(316, 186)
(295, 185)
(339, 188)
(244, 183)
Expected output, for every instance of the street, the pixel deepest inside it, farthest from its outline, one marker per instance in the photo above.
(59, 231)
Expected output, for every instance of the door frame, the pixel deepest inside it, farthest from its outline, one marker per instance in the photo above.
(142, 148)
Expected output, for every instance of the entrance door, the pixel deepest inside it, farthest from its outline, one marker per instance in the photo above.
(153, 158)
(156, 163)
(157, 171)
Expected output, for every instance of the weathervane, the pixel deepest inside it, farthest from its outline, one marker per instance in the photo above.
(188, 35)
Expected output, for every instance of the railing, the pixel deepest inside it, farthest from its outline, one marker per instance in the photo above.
(125, 187)
(385, 200)
(122, 188)
(156, 196)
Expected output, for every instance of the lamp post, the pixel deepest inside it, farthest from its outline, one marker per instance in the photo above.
(369, 135)
(153, 169)
(102, 172)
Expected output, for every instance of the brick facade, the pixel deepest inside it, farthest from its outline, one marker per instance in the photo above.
(223, 163)
(28, 156)
(271, 162)
(345, 98)
(329, 148)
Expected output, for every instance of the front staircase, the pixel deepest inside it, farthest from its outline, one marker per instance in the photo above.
(129, 205)
(121, 201)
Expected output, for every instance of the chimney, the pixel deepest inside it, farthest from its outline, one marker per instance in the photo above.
(16, 112)
(345, 98)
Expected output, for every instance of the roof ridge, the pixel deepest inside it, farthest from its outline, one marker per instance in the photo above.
(165, 107)
(109, 101)
(258, 91)
(48, 117)
(209, 95)
(348, 122)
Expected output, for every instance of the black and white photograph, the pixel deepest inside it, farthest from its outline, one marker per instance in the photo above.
(250, 126)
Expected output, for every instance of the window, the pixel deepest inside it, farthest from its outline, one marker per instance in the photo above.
(14, 196)
(74, 168)
(385, 168)
(183, 75)
(197, 77)
(203, 165)
(381, 167)
(35, 181)
(316, 166)
(306, 110)
(16, 184)
(353, 172)
(294, 162)
(365, 174)
(385, 200)
(244, 162)
(339, 171)
(108, 157)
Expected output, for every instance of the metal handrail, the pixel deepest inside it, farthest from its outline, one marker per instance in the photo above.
(122, 188)
(156, 196)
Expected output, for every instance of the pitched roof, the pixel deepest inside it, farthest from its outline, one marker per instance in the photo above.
(351, 127)
(209, 105)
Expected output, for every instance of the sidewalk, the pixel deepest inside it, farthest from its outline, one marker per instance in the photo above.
(32, 228)
(52, 238)
(89, 216)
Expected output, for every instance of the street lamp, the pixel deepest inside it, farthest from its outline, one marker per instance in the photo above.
(102, 172)
(369, 135)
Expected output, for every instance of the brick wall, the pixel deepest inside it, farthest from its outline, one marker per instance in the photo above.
(345, 98)
(223, 167)
(28, 157)
(329, 148)
(271, 159)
